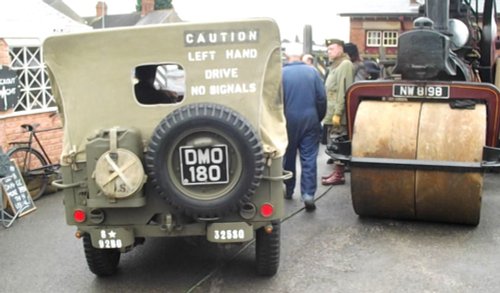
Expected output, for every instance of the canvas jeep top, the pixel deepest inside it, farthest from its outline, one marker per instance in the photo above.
(171, 130)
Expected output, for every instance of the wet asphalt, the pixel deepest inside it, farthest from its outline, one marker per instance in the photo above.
(328, 250)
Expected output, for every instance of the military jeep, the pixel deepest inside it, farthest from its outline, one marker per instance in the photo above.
(171, 131)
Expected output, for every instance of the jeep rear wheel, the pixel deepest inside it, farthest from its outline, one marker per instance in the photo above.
(101, 262)
(205, 159)
(267, 250)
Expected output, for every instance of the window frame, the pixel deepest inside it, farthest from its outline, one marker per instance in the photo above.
(381, 38)
(35, 89)
(390, 39)
(373, 38)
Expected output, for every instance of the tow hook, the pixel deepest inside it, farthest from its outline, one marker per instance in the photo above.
(168, 224)
(268, 229)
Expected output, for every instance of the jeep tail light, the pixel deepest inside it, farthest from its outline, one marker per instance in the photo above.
(266, 210)
(79, 216)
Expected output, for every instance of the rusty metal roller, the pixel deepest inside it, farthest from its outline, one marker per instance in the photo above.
(423, 131)
(450, 135)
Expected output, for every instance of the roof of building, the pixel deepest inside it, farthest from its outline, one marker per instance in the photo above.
(386, 8)
(114, 20)
(134, 18)
(390, 8)
(60, 6)
(159, 16)
(35, 20)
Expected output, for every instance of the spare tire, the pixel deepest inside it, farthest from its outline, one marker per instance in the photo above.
(205, 159)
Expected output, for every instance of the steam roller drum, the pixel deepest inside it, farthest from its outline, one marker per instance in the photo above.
(423, 131)
(460, 135)
(384, 130)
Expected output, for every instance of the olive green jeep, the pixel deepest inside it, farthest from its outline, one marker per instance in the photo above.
(171, 131)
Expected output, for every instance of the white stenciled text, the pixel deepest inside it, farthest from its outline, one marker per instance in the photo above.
(219, 73)
(214, 37)
(201, 55)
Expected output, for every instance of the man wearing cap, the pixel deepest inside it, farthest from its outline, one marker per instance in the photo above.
(340, 77)
(305, 106)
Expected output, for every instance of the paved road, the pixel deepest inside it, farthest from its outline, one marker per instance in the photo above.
(329, 250)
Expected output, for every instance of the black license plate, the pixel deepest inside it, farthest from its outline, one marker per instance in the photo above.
(421, 91)
(204, 165)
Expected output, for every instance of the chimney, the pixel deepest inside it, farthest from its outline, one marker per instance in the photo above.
(147, 6)
(101, 9)
(439, 12)
(4, 54)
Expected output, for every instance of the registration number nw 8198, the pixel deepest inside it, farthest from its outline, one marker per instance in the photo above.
(421, 91)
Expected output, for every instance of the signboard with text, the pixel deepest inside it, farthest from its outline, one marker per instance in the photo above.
(9, 88)
(15, 190)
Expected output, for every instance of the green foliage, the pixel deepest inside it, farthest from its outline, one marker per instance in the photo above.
(163, 4)
(159, 4)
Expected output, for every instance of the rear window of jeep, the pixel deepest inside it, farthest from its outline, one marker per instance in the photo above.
(159, 83)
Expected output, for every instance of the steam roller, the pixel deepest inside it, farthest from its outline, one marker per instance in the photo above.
(420, 141)
(410, 131)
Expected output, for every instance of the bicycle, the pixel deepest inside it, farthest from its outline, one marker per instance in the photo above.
(35, 166)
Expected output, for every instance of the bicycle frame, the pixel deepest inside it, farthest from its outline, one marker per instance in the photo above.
(34, 163)
(32, 130)
(30, 142)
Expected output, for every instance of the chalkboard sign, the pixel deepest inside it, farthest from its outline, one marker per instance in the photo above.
(9, 88)
(16, 191)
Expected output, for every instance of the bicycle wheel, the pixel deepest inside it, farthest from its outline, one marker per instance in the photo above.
(31, 163)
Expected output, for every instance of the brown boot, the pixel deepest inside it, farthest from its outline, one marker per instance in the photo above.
(337, 178)
(328, 176)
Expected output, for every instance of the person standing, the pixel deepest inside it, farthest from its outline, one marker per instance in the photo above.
(359, 70)
(308, 59)
(340, 77)
(305, 107)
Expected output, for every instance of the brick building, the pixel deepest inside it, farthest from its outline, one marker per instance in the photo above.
(25, 24)
(376, 25)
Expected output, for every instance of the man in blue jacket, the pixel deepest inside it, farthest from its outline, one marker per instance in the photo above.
(305, 107)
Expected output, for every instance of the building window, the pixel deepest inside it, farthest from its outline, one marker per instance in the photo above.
(382, 38)
(390, 38)
(373, 38)
(35, 92)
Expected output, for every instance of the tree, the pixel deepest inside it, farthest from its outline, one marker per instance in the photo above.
(159, 4)
(163, 4)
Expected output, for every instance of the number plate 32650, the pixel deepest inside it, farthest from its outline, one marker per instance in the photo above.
(229, 232)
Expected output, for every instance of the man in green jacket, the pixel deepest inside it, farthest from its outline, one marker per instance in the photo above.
(340, 77)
